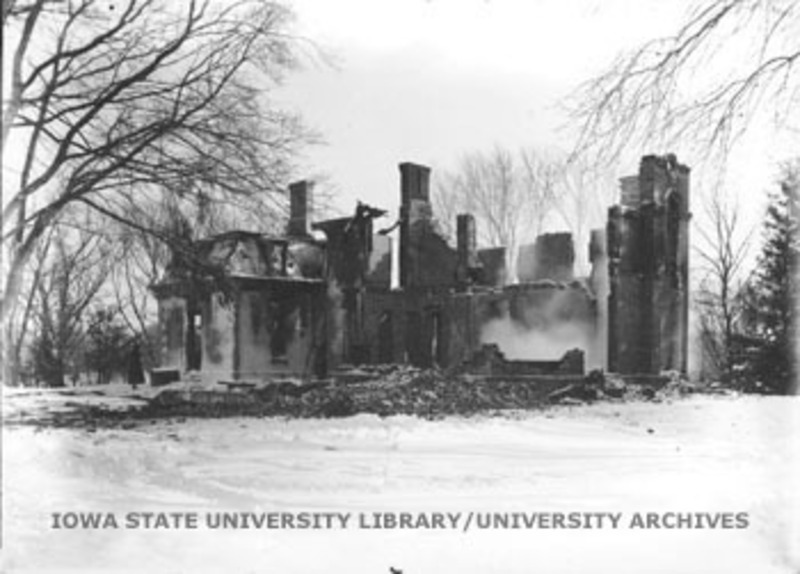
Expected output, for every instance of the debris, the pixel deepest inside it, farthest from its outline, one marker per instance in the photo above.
(582, 392)
(383, 390)
(614, 386)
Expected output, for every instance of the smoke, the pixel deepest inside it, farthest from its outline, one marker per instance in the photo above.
(517, 342)
(543, 322)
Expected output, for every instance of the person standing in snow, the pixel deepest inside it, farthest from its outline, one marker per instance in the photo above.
(135, 372)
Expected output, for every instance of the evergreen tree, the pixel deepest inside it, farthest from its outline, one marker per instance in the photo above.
(773, 294)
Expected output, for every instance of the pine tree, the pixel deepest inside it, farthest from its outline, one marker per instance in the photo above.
(773, 293)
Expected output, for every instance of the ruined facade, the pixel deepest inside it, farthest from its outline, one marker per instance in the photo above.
(648, 270)
(322, 295)
(262, 315)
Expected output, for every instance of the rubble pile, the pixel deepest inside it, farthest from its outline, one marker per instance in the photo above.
(403, 390)
(382, 390)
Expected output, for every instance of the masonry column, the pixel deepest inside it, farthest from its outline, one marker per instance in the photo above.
(648, 249)
(598, 256)
(467, 247)
(300, 207)
(415, 211)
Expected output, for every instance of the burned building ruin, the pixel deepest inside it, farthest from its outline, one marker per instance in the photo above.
(648, 270)
(322, 295)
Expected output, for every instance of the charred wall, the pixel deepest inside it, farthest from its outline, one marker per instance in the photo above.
(250, 307)
(357, 261)
(302, 305)
(426, 260)
(449, 299)
(551, 257)
(172, 332)
(280, 330)
(648, 251)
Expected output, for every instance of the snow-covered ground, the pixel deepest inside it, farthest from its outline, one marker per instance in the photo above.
(702, 455)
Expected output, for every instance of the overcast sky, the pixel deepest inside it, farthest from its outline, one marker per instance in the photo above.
(427, 80)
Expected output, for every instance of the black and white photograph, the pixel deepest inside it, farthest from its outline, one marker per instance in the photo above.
(400, 286)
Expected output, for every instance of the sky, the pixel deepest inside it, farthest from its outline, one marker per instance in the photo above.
(429, 80)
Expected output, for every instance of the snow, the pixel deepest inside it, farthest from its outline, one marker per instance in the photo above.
(704, 454)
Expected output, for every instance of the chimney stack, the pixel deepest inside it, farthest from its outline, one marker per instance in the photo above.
(414, 182)
(415, 214)
(300, 207)
(466, 245)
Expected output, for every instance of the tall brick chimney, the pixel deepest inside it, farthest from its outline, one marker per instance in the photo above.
(300, 207)
(467, 248)
(415, 214)
(414, 182)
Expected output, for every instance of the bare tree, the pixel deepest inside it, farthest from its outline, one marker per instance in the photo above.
(514, 197)
(541, 182)
(509, 195)
(723, 252)
(113, 97)
(73, 270)
(144, 254)
(730, 63)
(141, 264)
(17, 333)
(582, 198)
